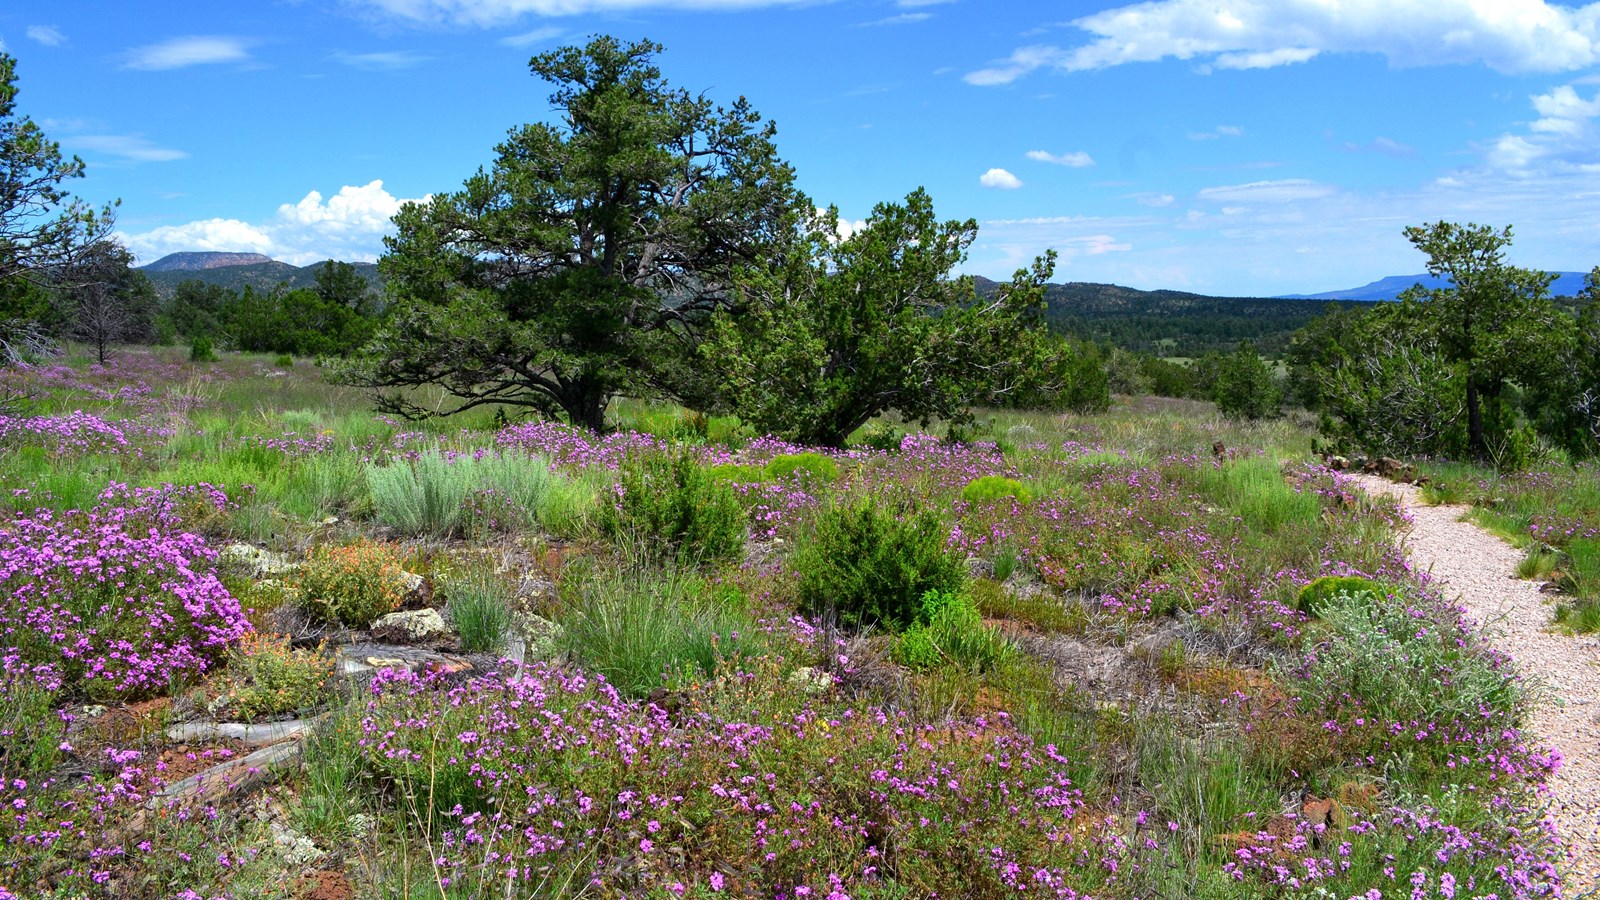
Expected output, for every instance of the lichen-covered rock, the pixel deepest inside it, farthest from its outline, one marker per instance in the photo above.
(411, 625)
(258, 562)
(811, 680)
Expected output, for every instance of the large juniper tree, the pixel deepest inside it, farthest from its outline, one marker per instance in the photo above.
(593, 246)
(833, 331)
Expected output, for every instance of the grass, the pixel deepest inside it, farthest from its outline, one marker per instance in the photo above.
(1164, 763)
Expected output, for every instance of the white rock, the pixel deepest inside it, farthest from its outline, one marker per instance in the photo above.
(416, 624)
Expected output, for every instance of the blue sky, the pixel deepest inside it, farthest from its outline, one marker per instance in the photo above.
(1220, 146)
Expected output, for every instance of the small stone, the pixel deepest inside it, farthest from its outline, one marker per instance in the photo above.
(258, 562)
(295, 848)
(811, 680)
(414, 625)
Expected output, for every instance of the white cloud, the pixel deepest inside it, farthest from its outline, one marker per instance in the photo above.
(1074, 160)
(1563, 112)
(1157, 200)
(1383, 145)
(487, 13)
(1000, 178)
(902, 19)
(1506, 35)
(1287, 190)
(350, 225)
(128, 147)
(1221, 131)
(382, 62)
(530, 38)
(188, 51)
(48, 35)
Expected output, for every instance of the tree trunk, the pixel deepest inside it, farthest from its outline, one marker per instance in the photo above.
(1476, 445)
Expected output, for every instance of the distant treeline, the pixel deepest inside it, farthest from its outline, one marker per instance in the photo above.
(1174, 323)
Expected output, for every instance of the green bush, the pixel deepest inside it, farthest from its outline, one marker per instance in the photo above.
(868, 567)
(992, 488)
(1244, 386)
(478, 601)
(812, 467)
(735, 473)
(950, 630)
(351, 585)
(677, 510)
(284, 361)
(1379, 655)
(200, 350)
(1313, 596)
(267, 678)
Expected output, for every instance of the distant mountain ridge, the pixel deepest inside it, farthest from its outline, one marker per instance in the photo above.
(200, 260)
(1567, 284)
(237, 271)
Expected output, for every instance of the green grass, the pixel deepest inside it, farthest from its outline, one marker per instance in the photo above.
(1255, 490)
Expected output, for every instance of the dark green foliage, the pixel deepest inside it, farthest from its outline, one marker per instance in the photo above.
(833, 332)
(581, 263)
(1058, 373)
(813, 467)
(677, 510)
(1563, 399)
(262, 277)
(1244, 387)
(200, 350)
(43, 228)
(1314, 595)
(864, 566)
(990, 488)
(1171, 323)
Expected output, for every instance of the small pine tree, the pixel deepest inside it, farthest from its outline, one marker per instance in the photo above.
(1244, 387)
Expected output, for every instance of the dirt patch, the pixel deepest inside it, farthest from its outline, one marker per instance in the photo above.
(324, 885)
(184, 760)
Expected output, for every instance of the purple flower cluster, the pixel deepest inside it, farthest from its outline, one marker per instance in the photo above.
(77, 433)
(553, 771)
(120, 597)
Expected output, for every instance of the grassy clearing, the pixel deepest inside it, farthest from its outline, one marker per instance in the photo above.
(774, 667)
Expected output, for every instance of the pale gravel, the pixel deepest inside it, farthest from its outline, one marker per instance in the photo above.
(1478, 570)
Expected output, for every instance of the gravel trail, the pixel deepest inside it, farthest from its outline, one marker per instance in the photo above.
(1479, 570)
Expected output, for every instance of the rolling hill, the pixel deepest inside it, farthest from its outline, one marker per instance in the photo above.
(237, 271)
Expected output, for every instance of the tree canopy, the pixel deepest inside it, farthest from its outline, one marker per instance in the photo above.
(834, 331)
(586, 257)
(43, 228)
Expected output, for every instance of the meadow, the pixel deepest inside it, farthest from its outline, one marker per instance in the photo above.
(1143, 654)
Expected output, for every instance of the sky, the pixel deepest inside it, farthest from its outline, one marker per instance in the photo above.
(1236, 147)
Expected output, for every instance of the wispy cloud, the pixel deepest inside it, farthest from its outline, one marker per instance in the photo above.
(1001, 179)
(1287, 190)
(126, 147)
(48, 35)
(194, 50)
(1508, 36)
(387, 61)
(490, 13)
(531, 38)
(1383, 146)
(1075, 160)
(1221, 131)
(902, 19)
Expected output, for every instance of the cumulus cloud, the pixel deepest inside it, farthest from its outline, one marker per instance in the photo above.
(1564, 138)
(182, 52)
(487, 13)
(350, 226)
(1000, 178)
(48, 35)
(1074, 160)
(1506, 35)
(125, 147)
